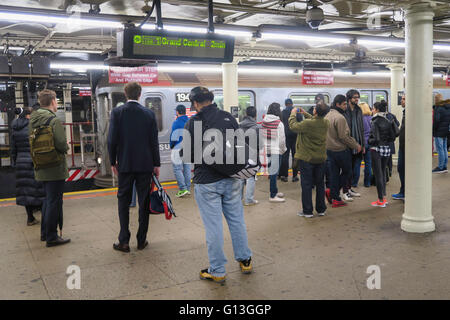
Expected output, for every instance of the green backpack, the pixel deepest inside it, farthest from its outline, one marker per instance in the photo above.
(42, 147)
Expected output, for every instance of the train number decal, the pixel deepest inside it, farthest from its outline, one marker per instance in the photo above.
(182, 97)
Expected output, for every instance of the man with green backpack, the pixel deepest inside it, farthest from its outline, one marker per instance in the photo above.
(48, 147)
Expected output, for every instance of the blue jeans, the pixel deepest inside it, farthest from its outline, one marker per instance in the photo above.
(249, 190)
(441, 148)
(367, 168)
(274, 168)
(213, 200)
(356, 171)
(182, 173)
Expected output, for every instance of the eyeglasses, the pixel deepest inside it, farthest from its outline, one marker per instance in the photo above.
(355, 97)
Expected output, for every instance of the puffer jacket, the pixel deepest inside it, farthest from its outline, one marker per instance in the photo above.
(441, 123)
(29, 192)
(382, 132)
(60, 171)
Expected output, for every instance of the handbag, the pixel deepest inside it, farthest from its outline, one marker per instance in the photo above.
(159, 200)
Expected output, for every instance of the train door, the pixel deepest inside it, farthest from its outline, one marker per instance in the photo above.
(372, 96)
(246, 99)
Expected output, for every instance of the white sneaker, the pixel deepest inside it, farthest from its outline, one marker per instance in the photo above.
(347, 197)
(322, 214)
(277, 199)
(280, 195)
(251, 203)
(301, 214)
(354, 193)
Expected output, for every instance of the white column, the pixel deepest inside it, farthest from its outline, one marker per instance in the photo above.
(67, 94)
(396, 87)
(230, 85)
(418, 143)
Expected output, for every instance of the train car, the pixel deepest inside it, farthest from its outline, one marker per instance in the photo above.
(163, 100)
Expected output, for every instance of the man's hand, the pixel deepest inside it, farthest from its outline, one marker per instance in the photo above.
(359, 148)
(114, 170)
(156, 171)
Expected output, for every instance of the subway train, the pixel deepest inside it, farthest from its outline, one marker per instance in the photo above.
(163, 100)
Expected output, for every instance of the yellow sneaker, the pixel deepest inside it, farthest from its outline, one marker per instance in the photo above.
(205, 275)
(246, 266)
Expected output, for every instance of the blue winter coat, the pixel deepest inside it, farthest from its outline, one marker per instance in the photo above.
(177, 136)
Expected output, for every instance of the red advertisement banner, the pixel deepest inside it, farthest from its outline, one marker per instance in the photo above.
(143, 75)
(317, 78)
(85, 92)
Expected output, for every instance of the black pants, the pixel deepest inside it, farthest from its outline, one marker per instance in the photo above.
(340, 170)
(30, 210)
(284, 169)
(52, 209)
(124, 194)
(355, 161)
(312, 175)
(379, 165)
(401, 170)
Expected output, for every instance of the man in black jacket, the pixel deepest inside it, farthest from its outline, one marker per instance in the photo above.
(291, 138)
(441, 126)
(354, 117)
(401, 157)
(134, 154)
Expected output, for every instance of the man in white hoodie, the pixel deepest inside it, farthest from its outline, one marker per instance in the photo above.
(274, 146)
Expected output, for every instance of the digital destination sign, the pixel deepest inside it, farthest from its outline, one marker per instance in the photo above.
(163, 45)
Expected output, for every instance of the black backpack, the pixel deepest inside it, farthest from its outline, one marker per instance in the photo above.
(235, 162)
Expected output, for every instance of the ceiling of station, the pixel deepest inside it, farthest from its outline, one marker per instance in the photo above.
(384, 18)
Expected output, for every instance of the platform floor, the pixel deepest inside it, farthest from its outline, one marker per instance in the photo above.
(294, 257)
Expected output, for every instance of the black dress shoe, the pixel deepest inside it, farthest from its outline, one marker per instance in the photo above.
(121, 247)
(284, 179)
(58, 242)
(142, 246)
(43, 238)
(295, 179)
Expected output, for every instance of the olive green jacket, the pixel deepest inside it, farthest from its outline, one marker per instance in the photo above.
(59, 172)
(311, 138)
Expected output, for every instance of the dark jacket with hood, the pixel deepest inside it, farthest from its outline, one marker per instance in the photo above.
(60, 171)
(29, 192)
(383, 132)
(285, 114)
(401, 139)
(355, 123)
(441, 123)
(204, 173)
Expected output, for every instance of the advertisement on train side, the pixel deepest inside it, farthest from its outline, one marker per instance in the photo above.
(314, 78)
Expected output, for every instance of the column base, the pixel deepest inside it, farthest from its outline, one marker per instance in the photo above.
(410, 224)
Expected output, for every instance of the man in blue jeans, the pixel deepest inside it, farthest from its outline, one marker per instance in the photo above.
(441, 128)
(215, 193)
(181, 169)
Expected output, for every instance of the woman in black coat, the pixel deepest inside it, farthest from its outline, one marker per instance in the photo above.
(29, 192)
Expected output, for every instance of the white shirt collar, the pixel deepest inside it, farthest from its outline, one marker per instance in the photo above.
(133, 101)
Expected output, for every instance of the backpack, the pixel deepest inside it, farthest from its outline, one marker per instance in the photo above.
(159, 200)
(232, 167)
(42, 147)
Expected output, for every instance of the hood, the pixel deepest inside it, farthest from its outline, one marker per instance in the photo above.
(184, 118)
(444, 103)
(37, 117)
(271, 118)
(248, 122)
(20, 123)
(380, 115)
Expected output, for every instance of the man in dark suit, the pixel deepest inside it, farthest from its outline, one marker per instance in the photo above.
(134, 153)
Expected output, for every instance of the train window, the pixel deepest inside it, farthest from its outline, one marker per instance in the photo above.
(155, 104)
(307, 100)
(118, 99)
(364, 97)
(245, 100)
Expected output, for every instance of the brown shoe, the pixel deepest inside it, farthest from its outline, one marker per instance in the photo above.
(142, 246)
(121, 247)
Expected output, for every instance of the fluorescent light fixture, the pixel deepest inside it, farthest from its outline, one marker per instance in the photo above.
(440, 46)
(305, 37)
(381, 43)
(265, 71)
(12, 48)
(72, 20)
(83, 67)
(203, 30)
(69, 50)
(341, 73)
(190, 68)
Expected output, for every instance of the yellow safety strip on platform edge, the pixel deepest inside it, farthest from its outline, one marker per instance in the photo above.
(170, 183)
